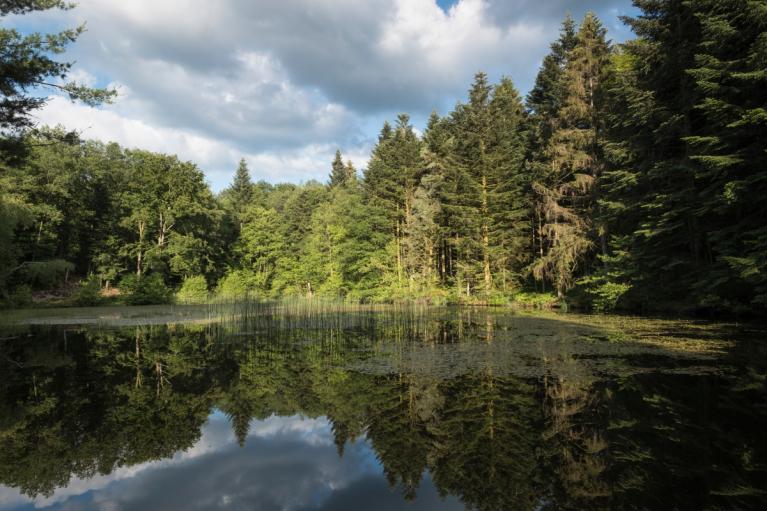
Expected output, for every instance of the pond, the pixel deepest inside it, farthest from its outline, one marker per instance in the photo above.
(259, 406)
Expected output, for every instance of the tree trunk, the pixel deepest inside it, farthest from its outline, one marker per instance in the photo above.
(399, 250)
(139, 256)
(485, 237)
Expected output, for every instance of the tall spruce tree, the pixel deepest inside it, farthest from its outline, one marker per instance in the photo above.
(473, 128)
(566, 193)
(338, 172)
(544, 102)
(391, 179)
(241, 190)
(687, 147)
(728, 146)
(509, 202)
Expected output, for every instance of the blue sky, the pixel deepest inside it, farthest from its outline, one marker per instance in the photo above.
(283, 84)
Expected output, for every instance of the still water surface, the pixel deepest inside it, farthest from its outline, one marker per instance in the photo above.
(261, 407)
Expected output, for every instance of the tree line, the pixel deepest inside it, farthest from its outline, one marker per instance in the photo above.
(631, 176)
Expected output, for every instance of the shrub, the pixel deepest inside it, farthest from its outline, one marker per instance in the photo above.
(605, 297)
(47, 274)
(193, 290)
(535, 300)
(147, 290)
(235, 284)
(497, 298)
(599, 293)
(21, 296)
(88, 292)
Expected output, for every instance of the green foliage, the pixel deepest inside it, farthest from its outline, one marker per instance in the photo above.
(603, 295)
(46, 274)
(193, 290)
(498, 299)
(260, 245)
(20, 296)
(236, 284)
(529, 300)
(14, 212)
(88, 292)
(146, 290)
(29, 68)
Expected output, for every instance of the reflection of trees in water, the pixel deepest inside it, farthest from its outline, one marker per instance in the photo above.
(574, 445)
(109, 398)
(92, 408)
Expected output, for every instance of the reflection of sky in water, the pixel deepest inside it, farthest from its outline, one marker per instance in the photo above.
(287, 463)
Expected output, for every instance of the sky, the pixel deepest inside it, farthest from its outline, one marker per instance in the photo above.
(284, 83)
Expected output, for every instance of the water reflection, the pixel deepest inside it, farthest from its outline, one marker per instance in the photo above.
(418, 410)
(287, 463)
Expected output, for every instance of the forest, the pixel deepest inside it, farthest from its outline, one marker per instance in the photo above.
(632, 176)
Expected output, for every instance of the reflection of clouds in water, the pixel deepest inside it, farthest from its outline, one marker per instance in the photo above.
(312, 431)
(215, 435)
(288, 463)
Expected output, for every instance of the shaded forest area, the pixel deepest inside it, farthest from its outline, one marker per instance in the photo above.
(632, 176)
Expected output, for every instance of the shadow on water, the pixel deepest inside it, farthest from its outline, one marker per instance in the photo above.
(450, 407)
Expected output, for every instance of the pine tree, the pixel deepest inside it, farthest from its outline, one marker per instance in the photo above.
(391, 179)
(509, 201)
(444, 171)
(241, 189)
(566, 193)
(472, 128)
(338, 172)
(29, 68)
(544, 103)
(650, 184)
(546, 96)
(728, 147)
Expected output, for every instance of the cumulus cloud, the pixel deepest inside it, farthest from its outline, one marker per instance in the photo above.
(284, 82)
(216, 157)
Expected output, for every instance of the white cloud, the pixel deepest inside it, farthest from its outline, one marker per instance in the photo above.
(216, 157)
(285, 83)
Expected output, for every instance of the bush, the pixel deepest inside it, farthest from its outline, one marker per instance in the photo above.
(235, 284)
(147, 290)
(88, 292)
(600, 293)
(528, 300)
(47, 274)
(497, 299)
(193, 290)
(19, 297)
(605, 297)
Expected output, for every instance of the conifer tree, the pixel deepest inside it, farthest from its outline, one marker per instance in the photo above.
(544, 102)
(391, 179)
(338, 173)
(687, 149)
(509, 200)
(29, 69)
(729, 149)
(241, 190)
(473, 124)
(566, 193)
